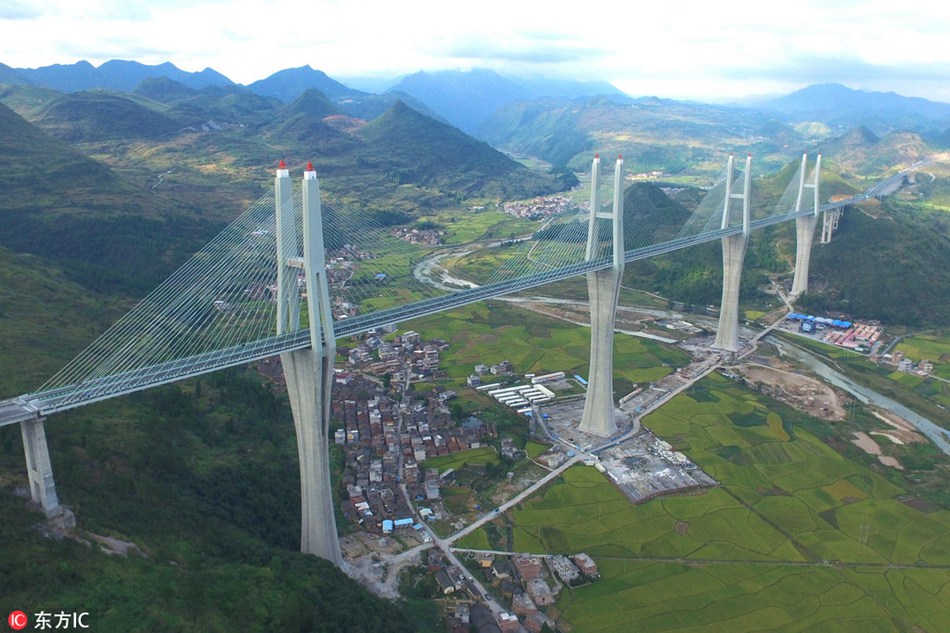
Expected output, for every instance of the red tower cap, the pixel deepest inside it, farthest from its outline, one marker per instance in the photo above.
(281, 164)
(309, 165)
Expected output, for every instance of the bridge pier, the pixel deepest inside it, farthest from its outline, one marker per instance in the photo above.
(603, 288)
(309, 372)
(309, 397)
(733, 254)
(805, 229)
(38, 466)
(830, 224)
(804, 237)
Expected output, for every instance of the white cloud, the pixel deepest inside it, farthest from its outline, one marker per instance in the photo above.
(17, 10)
(696, 48)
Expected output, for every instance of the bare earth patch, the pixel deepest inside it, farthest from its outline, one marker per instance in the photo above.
(890, 461)
(867, 444)
(903, 433)
(804, 393)
(111, 545)
(863, 441)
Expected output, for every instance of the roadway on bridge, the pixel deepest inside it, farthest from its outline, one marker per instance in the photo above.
(44, 403)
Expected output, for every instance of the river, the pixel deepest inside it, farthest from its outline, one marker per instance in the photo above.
(936, 433)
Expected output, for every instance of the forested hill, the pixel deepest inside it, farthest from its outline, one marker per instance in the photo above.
(887, 261)
(432, 153)
(105, 233)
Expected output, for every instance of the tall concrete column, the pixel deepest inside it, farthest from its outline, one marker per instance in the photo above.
(805, 230)
(38, 466)
(603, 288)
(830, 224)
(306, 390)
(733, 254)
(804, 237)
(309, 372)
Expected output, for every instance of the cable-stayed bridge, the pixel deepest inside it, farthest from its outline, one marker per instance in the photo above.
(198, 320)
(298, 270)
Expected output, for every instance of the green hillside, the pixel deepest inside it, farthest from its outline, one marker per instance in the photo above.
(860, 152)
(216, 148)
(686, 139)
(98, 116)
(103, 232)
(45, 320)
(311, 103)
(692, 276)
(888, 262)
(212, 106)
(436, 154)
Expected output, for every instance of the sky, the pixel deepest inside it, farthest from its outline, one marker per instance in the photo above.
(683, 49)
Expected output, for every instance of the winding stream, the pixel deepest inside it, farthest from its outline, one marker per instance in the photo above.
(939, 435)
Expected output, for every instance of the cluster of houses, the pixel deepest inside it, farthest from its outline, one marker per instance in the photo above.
(528, 583)
(860, 337)
(538, 208)
(427, 237)
(377, 356)
(477, 379)
(907, 366)
(384, 438)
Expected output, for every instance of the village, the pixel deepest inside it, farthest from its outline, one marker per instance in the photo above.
(391, 421)
(539, 208)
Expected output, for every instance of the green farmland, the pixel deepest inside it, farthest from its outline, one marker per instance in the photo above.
(796, 538)
(932, 347)
(490, 332)
(477, 456)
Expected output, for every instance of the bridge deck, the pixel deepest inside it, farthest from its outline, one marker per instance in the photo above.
(36, 404)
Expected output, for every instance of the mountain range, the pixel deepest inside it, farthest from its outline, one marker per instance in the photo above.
(559, 121)
(448, 93)
(188, 151)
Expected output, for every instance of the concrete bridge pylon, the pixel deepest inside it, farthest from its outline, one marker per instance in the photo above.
(39, 469)
(830, 224)
(309, 372)
(603, 288)
(733, 254)
(805, 228)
